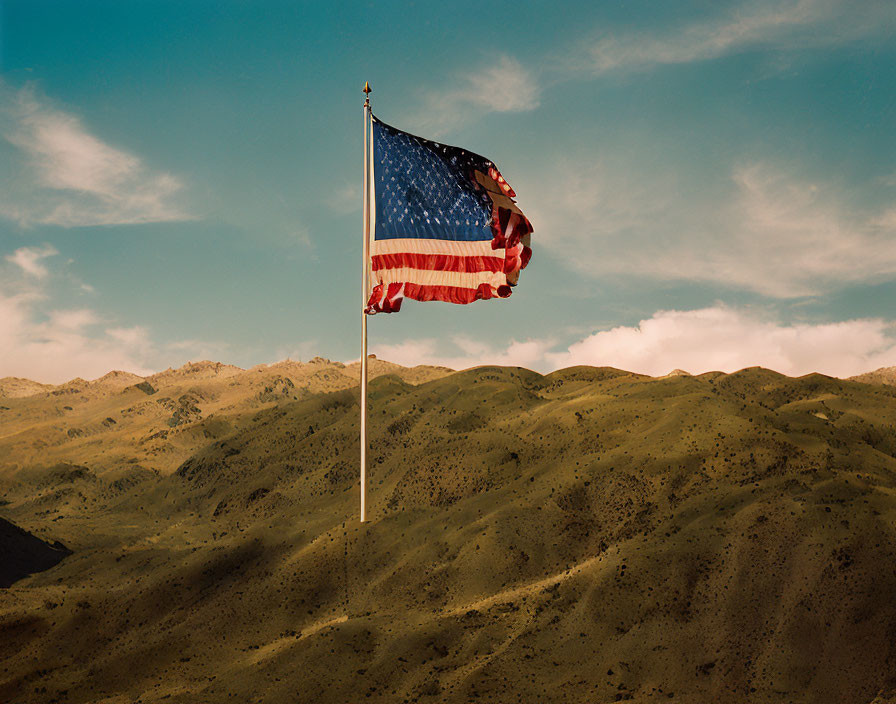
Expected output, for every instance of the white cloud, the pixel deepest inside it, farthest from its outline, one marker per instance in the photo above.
(28, 259)
(48, 342)
(57, 173)
(131, 337)
(503, 86)
(52, 345)
(726, 339)
(789, 25)
(74, 319)
(766, 230)
(64, 344)
(709, 339)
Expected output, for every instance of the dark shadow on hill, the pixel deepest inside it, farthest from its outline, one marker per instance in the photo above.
(22, 554)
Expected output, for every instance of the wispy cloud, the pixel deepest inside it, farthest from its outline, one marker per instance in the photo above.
(57, 173)
(502, 86)
(300, 351)
(28, 259)
(718, 338)
(463, 353)
(767, 230)
(508, 85)
(789, 25)
(345, 199)
(302, 237)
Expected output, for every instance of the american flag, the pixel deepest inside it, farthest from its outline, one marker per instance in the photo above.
(444, 223)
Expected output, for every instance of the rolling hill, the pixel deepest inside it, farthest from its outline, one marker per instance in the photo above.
(590, 535)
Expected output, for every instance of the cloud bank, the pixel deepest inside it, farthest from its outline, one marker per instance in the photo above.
(718, 338)
(52, 343)
(726, 339)
(63, 344)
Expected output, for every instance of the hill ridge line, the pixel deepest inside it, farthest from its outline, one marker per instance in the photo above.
(886, 373)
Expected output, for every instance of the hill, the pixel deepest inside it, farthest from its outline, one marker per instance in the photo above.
(15, 387)
(587, 536)
(122, 421)
(884, 375)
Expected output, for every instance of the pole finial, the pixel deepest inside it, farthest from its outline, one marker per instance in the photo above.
(367, 89)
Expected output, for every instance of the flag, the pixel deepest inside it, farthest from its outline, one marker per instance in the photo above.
(444, 224)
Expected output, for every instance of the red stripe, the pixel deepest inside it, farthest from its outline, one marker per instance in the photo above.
(449, 294)
(437, 262)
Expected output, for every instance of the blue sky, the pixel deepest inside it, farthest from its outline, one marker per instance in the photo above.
(712, 185)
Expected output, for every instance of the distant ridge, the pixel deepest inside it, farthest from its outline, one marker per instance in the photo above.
(884, 375)
(18, 387)
(197, 370)
(331, 374)
(158, 415)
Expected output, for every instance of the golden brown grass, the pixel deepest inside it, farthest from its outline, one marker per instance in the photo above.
(586, 536)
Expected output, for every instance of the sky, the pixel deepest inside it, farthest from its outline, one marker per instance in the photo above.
(712, 184)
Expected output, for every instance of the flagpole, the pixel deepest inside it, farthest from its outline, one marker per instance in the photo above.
(365, 286)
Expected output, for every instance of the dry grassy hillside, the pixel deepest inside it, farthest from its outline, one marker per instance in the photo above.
(586, 536)
(884, 375)
(127, 424)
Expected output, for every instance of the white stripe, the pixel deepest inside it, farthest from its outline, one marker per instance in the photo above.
(411, 245)
(426, 277)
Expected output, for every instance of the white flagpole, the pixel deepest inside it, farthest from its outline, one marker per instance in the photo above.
(365, 286)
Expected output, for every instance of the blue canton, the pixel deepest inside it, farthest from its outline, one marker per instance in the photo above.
(427, 190)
